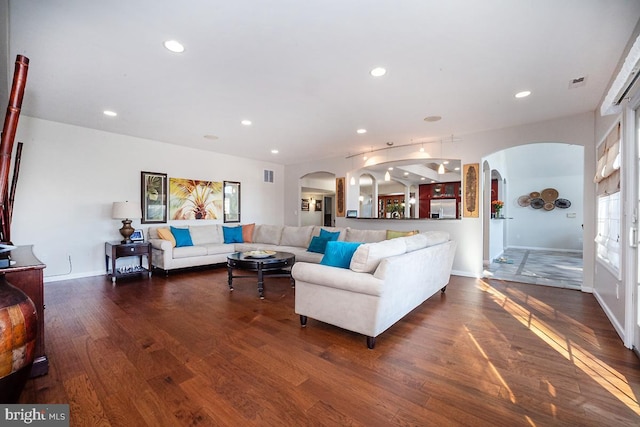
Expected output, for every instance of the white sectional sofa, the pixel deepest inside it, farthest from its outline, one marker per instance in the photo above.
(384, 282)
(209, 248)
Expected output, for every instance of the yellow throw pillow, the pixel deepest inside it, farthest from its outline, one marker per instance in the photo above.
(391, 234)
(165, 234)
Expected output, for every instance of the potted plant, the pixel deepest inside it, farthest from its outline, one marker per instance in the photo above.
(497, 206)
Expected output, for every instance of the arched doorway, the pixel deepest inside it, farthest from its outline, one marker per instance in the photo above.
(541, 243)
(317, 199)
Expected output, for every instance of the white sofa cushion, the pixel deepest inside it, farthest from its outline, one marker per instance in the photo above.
(368, 256)
(436, 237)
(269, 234)
(296, 236)
(205, 234)
(189, 251)
(365, 236)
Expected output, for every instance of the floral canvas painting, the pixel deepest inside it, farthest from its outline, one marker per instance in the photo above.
(194, 199)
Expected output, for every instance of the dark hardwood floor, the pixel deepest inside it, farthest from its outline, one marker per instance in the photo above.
(184, 351)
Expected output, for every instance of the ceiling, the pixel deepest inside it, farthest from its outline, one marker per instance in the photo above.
(299, 70)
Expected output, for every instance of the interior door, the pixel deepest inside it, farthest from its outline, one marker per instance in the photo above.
(328, 211)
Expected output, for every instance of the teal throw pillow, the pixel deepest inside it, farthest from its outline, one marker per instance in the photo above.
(318, 245)
(232, 234)
(329, 235)
(339, 254)
(182, 236)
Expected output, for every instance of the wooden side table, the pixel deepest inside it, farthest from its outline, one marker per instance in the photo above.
(115, 250)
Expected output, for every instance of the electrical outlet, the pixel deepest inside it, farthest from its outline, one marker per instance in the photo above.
(571, 215)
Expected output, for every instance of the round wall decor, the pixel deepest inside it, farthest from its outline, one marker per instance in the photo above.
(524, 201)
(549, 195)
(537, 203)
(562, 203)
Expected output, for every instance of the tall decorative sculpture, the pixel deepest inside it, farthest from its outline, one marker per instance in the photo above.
(18, 318)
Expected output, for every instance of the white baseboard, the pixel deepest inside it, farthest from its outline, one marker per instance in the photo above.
(534, 248)
(619, 329)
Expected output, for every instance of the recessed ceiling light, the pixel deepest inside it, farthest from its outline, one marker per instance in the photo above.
(523, 94)
(406, 174)
(422, 178)
(361, 131)
(274, 151)
(378, 72)
(211, 137)
(390, 168)
(432, 118)
(109, 113)
(246, 122)
(174, 46)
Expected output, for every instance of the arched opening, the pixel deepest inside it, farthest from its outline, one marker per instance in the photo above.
(537, 236)
(317, 199)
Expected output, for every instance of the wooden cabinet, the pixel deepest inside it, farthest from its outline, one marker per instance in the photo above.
(439, 191)
(27, 275)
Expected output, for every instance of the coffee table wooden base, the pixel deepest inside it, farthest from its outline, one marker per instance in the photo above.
(278, 265)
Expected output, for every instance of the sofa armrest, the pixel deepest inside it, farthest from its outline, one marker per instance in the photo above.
(161, 244)
(334, 277)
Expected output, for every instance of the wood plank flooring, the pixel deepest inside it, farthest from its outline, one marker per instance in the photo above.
(184, 351)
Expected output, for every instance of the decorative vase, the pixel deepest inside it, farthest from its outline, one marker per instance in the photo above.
(497, 213)
(18, 332)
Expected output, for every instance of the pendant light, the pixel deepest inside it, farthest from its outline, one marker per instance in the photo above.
(441, 167)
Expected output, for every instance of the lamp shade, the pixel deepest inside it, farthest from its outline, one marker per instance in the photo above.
(126, 210)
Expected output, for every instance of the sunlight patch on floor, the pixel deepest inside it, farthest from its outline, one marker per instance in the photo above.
(495, 371)
(607, 377)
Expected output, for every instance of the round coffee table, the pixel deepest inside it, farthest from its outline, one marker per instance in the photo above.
(277, 265)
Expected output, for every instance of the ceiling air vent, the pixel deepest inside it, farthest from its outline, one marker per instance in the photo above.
(268, 176)
(577, 82)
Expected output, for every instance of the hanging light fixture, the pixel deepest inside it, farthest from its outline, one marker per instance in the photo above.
(441, 167)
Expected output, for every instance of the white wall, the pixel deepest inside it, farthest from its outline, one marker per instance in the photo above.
(70, 176)
(541, 229)
(472, 148)
(312, 216)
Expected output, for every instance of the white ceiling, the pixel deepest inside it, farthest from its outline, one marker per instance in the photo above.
(300, 70)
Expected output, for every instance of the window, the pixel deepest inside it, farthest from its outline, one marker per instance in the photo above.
(609, 204)
(608, 235)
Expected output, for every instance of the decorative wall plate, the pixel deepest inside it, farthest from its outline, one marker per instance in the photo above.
(537, 203)
(549, 195)
(534, 194)
(524, 201)
(549, 206)
(562, 203)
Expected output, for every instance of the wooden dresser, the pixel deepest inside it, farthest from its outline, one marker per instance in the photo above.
(27, 275)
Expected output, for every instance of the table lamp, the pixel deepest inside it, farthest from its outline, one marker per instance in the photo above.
(126, 211)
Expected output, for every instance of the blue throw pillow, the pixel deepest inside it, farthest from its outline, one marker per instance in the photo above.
(339, 254)
(232, 234)
(318, 245)
(182, 236)
(329, 235)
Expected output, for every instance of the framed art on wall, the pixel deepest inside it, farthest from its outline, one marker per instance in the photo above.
(231, 201)
(195, 199)
(470, 178)
(153, 197)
